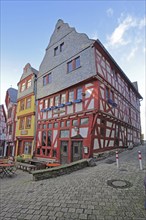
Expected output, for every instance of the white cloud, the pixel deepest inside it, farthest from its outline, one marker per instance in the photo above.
(109, 12)
(132, 53)
(142, 22)
(117, 37)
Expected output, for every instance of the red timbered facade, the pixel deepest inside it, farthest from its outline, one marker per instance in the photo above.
(86, 104)
(11, 105)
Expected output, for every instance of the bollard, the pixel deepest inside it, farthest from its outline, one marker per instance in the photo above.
(117, 159)
(140, 160)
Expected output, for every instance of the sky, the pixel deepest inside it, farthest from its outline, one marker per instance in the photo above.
(26, 28)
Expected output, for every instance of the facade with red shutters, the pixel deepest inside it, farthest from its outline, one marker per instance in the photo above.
(85, 102)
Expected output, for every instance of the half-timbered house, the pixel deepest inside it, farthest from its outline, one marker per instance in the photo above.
(11, 104)
(86, 103)
(25, 129)
(3, 131)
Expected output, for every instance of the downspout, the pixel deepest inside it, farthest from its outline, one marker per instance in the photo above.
(36, 113)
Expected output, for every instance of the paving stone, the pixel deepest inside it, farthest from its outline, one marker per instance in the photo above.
(28, 216)
(83, 216)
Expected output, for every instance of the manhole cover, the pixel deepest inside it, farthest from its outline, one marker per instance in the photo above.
(121, 184)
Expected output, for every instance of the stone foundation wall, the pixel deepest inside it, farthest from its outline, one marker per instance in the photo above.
(58, 171)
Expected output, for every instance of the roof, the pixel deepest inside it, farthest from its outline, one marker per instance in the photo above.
(12, 94)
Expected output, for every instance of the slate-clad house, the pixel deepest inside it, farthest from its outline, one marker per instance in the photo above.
(25, 130)
(3, 131)
(86, 103)
(11, 104)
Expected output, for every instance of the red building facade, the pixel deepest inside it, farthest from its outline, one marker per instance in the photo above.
(11, 104)
(86, 104)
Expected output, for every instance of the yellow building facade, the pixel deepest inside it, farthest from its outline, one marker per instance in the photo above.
(25, 128)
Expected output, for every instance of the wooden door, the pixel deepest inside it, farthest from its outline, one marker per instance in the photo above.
(64, 152)
(76, 150)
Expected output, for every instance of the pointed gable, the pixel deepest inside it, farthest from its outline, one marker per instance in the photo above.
(27, 71)
(66, 45)
(61, 30)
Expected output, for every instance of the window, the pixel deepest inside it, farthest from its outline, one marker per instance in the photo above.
(54, 153)
(69, 67)
(65, 149)
(67, 123)
(62, 124)
(50, 102)
(38, 151)
(107, 93)
(79, 93)
(28, 83)
(77, 62)
(27, 147)
(84, 121)
(57, 100)
(45, 103)
(28, 103)
(49, 125)
(22, 121)
(44, 126)
(75, 122)
(56, 51)
(22, 104)
(48, 152)
(28, 122)
(61, 47)
(74, 64)
(63, 98)
(49, 138)
(22, 87)
(56, 125)
(9, 112)
(103, 128)
(76, 150)
(71, 96)
(47, 79)
(64, 133)
(10, 129)
(44, 138)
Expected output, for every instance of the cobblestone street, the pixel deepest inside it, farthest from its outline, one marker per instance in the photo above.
(83, 194)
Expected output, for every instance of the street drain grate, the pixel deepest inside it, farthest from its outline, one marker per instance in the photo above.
(110, 161)
(119, 184)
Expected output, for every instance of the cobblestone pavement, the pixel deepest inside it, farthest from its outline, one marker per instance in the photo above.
(83, 194)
